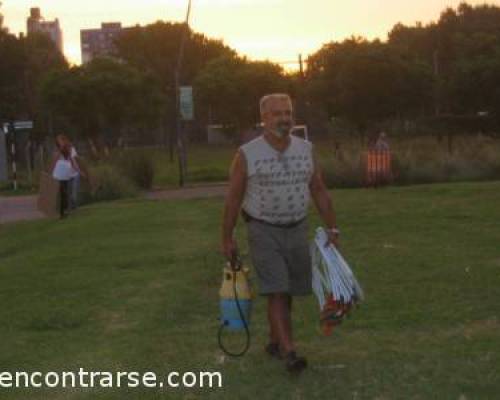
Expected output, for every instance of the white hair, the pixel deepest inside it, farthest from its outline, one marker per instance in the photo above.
(264, 101)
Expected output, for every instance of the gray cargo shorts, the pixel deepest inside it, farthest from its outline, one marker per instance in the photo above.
(281, 258)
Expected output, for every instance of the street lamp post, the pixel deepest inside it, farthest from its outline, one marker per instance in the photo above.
(181, 145)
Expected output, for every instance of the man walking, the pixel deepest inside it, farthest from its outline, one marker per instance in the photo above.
(272, 180)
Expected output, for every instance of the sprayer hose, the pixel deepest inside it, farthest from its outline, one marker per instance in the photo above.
(245, 324)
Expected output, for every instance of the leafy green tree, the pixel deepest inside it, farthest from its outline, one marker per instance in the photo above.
(104, 99)
(24, 64)
(42, 57)
(228, 89)
(461, 48)
(366, 82)
(11, 77)
(475, 86)
(155, 49)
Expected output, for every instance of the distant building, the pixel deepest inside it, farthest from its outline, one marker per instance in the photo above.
(100, 42)
(36, 23)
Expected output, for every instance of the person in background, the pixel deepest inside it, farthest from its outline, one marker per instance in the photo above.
(63, 169)
(382, 144)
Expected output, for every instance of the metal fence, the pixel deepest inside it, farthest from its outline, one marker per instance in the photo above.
(378, 168)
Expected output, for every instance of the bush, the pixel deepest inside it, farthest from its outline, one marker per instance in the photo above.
(107, 183)
(418, 161)
(138, 167)
(411, 169)
(346, 172)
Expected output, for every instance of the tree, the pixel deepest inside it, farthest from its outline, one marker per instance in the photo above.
(41, 56)
(475, 86)
(11, 77)
(228, 89)
(472, 84)
(24, 64)
(366, 82)
(104, 100)
(155, 49)
(457, 48)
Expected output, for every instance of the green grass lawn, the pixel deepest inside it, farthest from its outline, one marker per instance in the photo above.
(206, 164)
(132, 286)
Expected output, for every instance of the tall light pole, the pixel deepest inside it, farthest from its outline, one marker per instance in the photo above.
(1, 17)
(181, 145)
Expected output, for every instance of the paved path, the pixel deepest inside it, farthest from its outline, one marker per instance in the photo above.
(24, 208)
(19, 208)
(194, 192)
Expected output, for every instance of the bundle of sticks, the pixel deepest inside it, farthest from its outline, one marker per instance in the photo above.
(334, 283)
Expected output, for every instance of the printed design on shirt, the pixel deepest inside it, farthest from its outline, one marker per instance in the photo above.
(282, 192)
(278, 183)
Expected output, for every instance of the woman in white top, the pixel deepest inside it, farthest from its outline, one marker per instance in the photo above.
(63, 170)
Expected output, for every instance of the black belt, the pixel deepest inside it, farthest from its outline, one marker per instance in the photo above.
(248, 218)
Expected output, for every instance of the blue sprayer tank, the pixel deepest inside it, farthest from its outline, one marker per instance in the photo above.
(231, 317)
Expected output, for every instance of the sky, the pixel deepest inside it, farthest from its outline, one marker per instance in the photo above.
(276, 30)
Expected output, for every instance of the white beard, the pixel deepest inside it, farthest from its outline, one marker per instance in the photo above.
(280, 134)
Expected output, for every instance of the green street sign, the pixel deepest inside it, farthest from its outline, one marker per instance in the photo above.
(186, 103)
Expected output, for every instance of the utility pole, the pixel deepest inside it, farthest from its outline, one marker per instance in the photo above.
(301, 66)
(181, 144)
(437, 91)
(1, 17)
(13, 150)
(303, 103)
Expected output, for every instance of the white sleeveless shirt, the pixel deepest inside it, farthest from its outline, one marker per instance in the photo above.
(277, 189)
(63, 170)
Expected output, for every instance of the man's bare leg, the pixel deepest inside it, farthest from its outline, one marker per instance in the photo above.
(289, 320)
(279, 313)
(273, 337)
(279, 305)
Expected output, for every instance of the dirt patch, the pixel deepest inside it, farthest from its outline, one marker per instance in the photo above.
(481, 327)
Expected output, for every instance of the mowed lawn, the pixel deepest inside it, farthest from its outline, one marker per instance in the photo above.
(133, 286)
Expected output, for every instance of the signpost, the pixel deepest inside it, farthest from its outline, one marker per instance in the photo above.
(19, 125)
(181, 145)
(12, 130)
(3, 154)
(186, 103)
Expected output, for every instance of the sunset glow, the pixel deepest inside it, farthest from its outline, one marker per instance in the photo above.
(261, 29)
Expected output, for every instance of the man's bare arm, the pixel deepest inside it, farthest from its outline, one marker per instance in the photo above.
(233, 202)
(323, 201)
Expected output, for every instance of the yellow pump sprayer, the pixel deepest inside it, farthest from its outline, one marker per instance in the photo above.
(235, 302)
